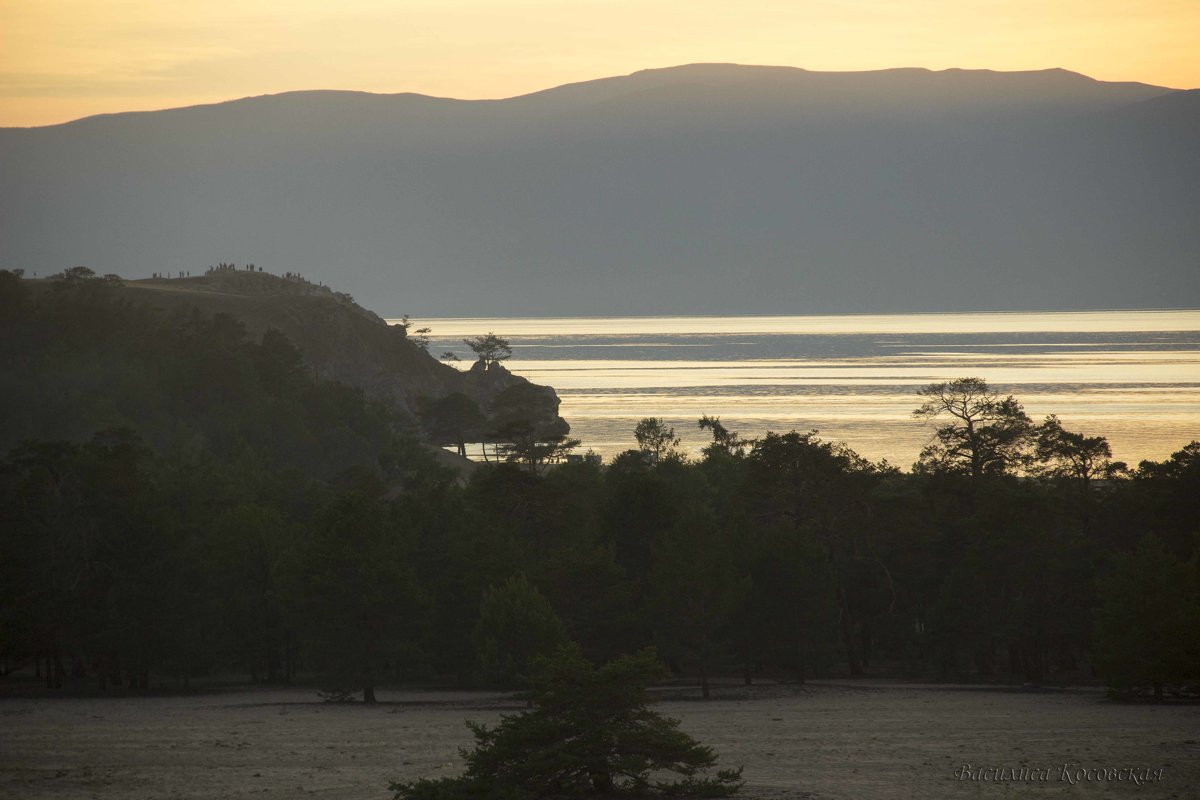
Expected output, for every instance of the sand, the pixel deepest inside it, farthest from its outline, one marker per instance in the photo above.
(827, 740)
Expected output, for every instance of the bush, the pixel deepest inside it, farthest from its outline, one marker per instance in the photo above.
(590, 731)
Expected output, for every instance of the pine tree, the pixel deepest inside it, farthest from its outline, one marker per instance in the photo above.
(589, 731)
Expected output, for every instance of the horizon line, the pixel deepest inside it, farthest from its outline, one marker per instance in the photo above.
(782, 67)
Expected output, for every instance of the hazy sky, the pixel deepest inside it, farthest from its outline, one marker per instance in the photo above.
(63, 59)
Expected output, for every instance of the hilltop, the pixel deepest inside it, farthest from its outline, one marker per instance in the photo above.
(335, 340)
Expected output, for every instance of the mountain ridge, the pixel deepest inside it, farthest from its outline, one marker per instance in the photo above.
(697, 69)
(665, 191)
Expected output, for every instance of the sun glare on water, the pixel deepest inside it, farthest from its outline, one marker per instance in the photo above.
(1133, 376)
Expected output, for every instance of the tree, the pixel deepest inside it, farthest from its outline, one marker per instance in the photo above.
(13, 293)
(696, 589)
(243, 555)
(419, 337)
(654, 436)
(1064, 454)
(89, 566)
(1148, 625)
(987, 434)
(1182, 466)
(491, 349)
(355, 595)
(516, 625)
(724, 441)
(790, 613)
(521, 444)
(76, 274)
(1167, 491)
(819, 490)
(590, 731)
(454, 418)
(523, 421)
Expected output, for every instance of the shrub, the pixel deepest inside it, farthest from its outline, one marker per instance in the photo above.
(589, 731)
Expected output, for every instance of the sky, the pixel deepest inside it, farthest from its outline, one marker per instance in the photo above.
(65, 59)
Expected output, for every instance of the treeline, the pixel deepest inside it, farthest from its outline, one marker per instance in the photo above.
(245, 516)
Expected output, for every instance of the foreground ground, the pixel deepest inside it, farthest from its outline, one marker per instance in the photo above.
(825, 741)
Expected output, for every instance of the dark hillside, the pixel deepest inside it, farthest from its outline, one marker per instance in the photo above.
(234, 357)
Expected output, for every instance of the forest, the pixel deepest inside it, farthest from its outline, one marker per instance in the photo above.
(251, 519)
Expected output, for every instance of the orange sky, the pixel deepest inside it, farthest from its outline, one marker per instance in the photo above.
(64, 59)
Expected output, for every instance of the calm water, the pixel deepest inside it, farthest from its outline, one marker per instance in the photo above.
(1133, 376)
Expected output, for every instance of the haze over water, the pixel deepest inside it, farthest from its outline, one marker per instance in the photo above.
(1133, 376)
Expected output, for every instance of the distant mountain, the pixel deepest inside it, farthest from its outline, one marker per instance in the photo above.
(700, 189)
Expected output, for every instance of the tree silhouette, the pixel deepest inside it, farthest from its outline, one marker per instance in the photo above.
(987, 434)
(1148, 626)
(1065, 454)
(418, 337)
(696, 590)
(454, 418)
(724, 441)
(519, 416)
(654, 436)
(516, 625)
(490, 348)
(356, 595)
(590, 731)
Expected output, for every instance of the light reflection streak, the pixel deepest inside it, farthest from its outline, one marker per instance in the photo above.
(996, 322)
(1133, 376)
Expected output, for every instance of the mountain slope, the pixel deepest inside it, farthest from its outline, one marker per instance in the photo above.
(706, 188)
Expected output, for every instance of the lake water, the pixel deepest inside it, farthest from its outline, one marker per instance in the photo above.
(1133, 376)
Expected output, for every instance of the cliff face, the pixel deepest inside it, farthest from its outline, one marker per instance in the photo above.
(493, 387)
(342, 340)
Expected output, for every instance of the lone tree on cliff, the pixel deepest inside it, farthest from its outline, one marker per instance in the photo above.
(491, 349)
